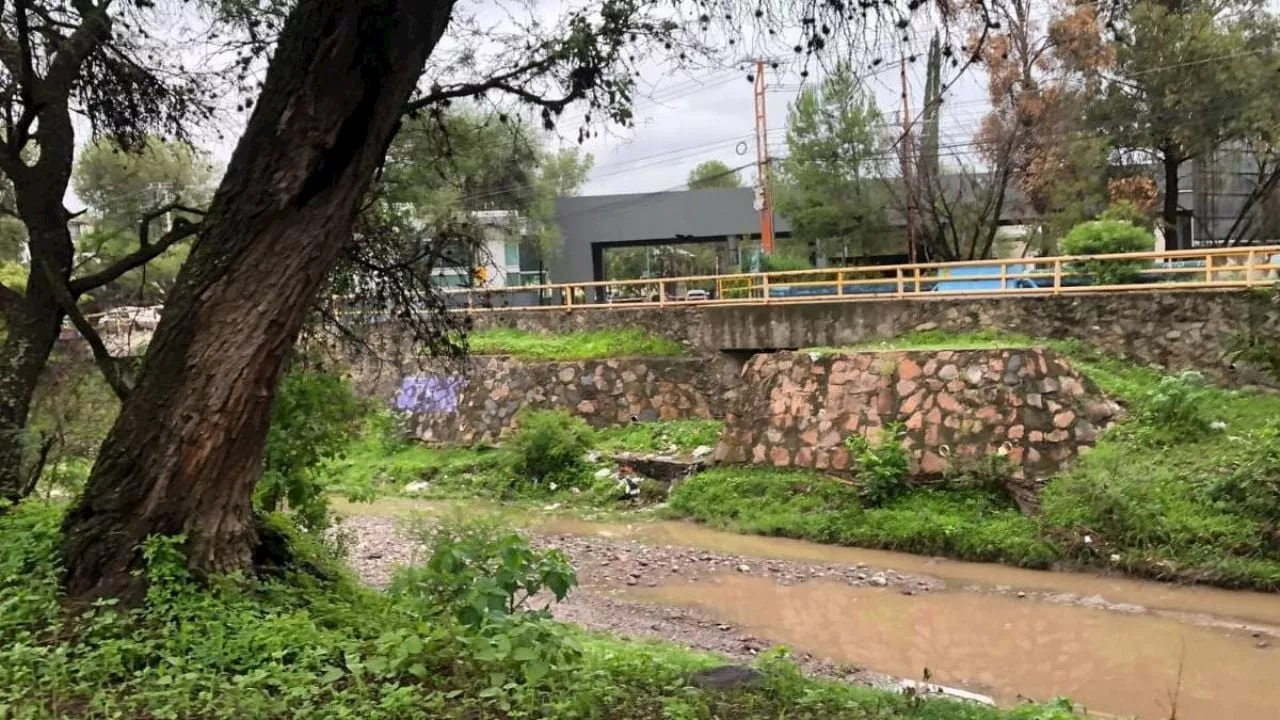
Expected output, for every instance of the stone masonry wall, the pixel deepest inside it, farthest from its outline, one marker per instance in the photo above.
(481, 404)
(1176, 330)
(796, 409)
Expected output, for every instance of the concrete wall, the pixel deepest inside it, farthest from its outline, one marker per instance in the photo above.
(481, 402)
(1175, 330)
(798, 409)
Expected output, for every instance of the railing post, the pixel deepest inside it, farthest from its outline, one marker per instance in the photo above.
(764, 283)
(840, 283)
(1057, 276)
(1004, 277)
(568, 298)
(1208, 269)
(662, 295)
(916, 270)
(902, 290)
(1248, 270)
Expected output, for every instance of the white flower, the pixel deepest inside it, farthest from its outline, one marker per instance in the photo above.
(1217, 425)
(1088, 539)
(553, 486)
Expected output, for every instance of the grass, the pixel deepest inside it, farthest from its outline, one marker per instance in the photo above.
(320, 645)
(936, 340)
(583, 345)
(968, 524)
(663, 436)
(1163, 494)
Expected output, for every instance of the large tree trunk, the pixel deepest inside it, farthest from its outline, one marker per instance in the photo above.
(186, 451)
(33, 325)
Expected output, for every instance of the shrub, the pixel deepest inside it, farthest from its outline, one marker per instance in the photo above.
(480, 571)
(1102, 237)
(548, 449)
(312, 418)
(883, 467)
(1176, 408)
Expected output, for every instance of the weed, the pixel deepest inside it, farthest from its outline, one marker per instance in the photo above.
(662, 436)
(882, 467)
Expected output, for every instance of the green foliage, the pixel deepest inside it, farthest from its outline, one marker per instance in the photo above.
(13, 275)
(481, 572)
(312, 418)
(827, 184)
(663, 436)
(295, 646)
(713, 174)
(882, 467)
(965, 523)
(72, 411)
(584, 345)
(1176, 409)
(548, 449)
(1195, 508)
(1102, 237)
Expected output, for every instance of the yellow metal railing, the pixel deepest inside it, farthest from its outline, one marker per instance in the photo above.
(1205, 269)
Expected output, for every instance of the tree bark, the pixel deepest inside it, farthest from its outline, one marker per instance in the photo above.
(186, 451)
(35, 322)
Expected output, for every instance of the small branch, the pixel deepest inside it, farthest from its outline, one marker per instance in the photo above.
(109, 366)
(144, 254)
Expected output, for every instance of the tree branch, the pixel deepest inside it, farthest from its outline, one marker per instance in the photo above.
(497, 82)
(109, 365)
(146, 252)
(94, 28)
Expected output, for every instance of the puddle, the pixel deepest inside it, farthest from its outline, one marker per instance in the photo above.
(1113, 663)
(1211, 603)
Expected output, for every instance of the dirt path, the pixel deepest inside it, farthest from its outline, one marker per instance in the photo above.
(608, 569)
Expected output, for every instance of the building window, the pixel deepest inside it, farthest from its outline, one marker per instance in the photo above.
(513, 253)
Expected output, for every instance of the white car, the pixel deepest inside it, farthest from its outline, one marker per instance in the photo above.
(697, 295)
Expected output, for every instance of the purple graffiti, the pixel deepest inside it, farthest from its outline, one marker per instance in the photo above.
(429, 394)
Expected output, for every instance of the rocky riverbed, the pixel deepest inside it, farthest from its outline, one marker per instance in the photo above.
(611, 570)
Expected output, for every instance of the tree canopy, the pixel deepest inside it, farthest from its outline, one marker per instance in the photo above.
(713, 174)
(827, 184)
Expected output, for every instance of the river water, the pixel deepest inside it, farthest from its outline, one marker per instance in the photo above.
(1120, 647)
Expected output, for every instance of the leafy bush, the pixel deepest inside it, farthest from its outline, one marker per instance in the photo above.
(1176, 408)
(73, 410)
(1102, 237)
(548, 449)
(312, 418)
(882, 467)
(480, 571)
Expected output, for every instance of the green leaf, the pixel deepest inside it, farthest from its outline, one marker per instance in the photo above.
(331, 675)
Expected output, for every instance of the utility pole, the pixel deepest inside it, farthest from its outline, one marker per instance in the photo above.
(764, 193)
(908, 154)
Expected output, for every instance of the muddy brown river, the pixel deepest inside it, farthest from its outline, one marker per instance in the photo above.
(1121, 647)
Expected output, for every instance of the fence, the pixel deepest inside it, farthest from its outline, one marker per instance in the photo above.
(1215, 269)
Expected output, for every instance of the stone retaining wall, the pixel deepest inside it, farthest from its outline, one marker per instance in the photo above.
(480, 404)
(1176, 329)
(797, 409)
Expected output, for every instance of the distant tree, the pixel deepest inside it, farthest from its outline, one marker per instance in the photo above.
(120, 189)
(713, 174)
(825, 185)
(1188, 79)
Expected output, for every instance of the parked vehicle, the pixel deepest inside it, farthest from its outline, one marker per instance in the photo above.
(983, 278)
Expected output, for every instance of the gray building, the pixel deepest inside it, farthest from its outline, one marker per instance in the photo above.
(590, 224)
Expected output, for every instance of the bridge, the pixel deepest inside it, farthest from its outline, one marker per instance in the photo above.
(1177, 310)
(1236, 268)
